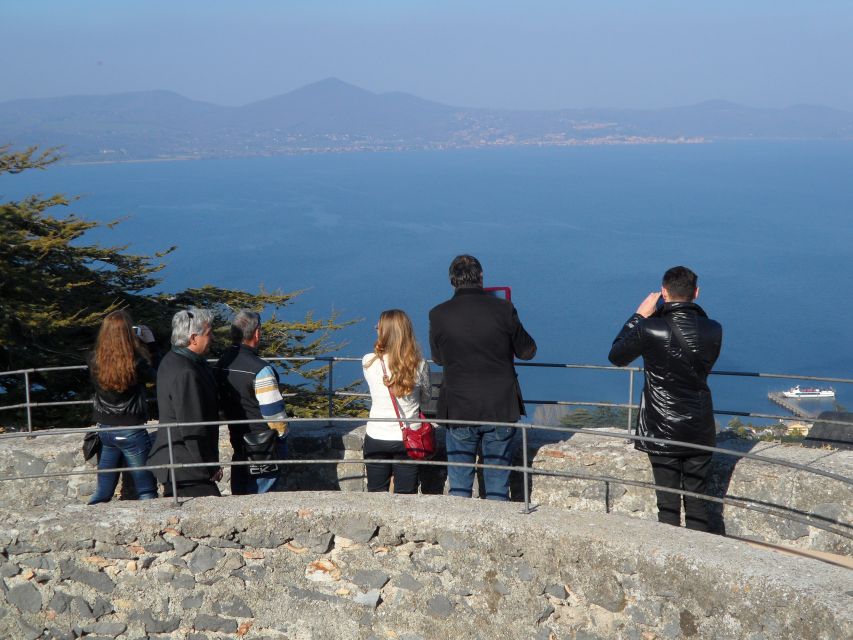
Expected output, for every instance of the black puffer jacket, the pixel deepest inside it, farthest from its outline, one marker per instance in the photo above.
(676, 402)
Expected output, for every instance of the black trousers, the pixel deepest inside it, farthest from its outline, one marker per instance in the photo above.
(689, 474)
(192, 489)
(379, 473)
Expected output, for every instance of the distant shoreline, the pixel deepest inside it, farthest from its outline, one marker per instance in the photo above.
(592, 142)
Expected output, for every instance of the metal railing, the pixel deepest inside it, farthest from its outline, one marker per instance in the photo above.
(527, 471)
(331, 393)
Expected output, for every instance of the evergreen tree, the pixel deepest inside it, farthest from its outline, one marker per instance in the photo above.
(55, 289)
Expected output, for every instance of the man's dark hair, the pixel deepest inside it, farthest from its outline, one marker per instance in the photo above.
(681, 283)
(465, 271)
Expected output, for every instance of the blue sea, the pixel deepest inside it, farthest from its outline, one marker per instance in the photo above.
(580, 234)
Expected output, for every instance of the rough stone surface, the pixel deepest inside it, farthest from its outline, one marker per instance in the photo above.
(155, 625)
(405, 581)
(357, 529)
(158, 546)
(26, 597)
(793, 491)
(59, 602)
(556, 591)
(368, 599)
(204, 559)
(318, 542)
(207, 622)
(262, 539)
(234, 607)
(98, 581)
(439, 606)
(81, 609)
(371, 578)
(111, 629)
(38, 562)
(622, 577)
(182, 545)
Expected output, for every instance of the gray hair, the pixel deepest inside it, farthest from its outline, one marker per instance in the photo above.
(187, 323)
(244, 325)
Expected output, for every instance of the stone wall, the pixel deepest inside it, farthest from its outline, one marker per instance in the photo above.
(797, 491)
(368, 566)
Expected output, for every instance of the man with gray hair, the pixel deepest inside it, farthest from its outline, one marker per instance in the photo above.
(248, 390)
(186, 393)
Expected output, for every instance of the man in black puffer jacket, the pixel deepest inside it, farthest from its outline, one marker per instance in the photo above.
(679, 345)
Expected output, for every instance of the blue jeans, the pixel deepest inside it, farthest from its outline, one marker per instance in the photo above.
(244, 483)
(496, 445)
(125, 447)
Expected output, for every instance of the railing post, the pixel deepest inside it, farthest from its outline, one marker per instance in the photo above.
(172, 466)
(330, 391)
(630, 398)
(29, 407)
(525, 473)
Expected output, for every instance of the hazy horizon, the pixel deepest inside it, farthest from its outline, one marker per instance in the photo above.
(427, 98)
(470, 53)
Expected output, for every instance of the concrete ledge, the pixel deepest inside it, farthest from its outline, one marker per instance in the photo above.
(321, 564)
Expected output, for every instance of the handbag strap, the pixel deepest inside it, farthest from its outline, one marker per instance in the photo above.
(393, 399)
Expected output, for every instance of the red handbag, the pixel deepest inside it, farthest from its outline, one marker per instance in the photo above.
(419, 443)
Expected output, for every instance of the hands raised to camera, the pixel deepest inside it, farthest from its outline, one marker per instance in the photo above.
(647, 306)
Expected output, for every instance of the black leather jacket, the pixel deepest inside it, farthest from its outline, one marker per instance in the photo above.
(122, 408)
(676, 402)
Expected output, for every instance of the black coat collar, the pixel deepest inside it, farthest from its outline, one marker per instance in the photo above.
(683, 307)
(467, 291)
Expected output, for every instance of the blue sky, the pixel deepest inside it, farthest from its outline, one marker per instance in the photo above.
(525, 54)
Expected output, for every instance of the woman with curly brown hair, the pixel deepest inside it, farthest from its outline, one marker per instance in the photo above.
(394, 368)
(120, 366)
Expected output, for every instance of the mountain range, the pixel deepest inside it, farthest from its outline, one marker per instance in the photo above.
(332, 115)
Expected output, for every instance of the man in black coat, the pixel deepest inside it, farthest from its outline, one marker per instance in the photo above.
(475, 336)
(679, 345)
(187, 392)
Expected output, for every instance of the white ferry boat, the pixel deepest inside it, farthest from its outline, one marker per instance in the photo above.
(808, 392)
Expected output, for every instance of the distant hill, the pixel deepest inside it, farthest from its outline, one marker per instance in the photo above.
(332, 115)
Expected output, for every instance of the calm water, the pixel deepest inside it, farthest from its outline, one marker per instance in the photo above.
(581, 235)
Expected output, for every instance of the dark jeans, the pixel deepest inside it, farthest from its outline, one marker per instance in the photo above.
(379, 473)
(689, 474)
(462, 445)
(124, 448)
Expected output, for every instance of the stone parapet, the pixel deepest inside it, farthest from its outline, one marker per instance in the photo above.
(339, 565)
(582, 454)
(792, 490)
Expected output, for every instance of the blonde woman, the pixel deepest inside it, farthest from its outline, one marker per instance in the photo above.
(406, 376)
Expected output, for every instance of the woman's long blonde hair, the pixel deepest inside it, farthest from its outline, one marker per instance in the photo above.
(396, 341)
(116, 352)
